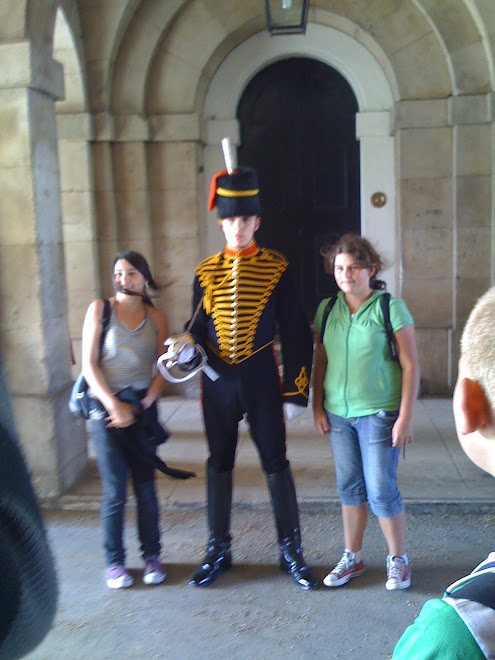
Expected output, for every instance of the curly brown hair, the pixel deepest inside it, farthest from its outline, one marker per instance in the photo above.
(362, 251)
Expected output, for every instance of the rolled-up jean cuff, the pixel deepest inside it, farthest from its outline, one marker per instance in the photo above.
(389, 510)
(353, 498)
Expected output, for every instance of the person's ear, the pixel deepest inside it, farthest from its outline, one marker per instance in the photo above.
(257, 223)
(474, 410)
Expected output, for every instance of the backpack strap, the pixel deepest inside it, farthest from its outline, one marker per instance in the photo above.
(385, 304)
(328, 308)
(105, 320)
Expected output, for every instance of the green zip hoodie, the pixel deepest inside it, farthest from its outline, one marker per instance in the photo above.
(361, 378)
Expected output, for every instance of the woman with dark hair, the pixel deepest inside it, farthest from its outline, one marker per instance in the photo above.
(124, 362)
(364, 400)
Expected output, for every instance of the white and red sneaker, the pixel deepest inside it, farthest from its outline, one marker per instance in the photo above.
(398, 573)
(346, 569)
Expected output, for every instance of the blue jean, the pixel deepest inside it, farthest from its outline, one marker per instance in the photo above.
(114, 461)
(365, 461)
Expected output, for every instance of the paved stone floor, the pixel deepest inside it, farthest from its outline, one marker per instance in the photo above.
(254, 612)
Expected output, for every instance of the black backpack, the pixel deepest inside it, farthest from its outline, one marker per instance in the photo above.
(385, 303)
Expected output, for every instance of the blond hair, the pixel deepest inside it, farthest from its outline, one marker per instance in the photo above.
(478, 344)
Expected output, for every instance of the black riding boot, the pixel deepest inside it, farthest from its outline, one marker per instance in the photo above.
(218, 557)
(284, 501)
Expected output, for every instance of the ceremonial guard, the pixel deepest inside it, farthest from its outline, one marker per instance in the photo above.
(242, 296)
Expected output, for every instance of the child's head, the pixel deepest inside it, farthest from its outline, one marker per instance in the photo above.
(474, 395)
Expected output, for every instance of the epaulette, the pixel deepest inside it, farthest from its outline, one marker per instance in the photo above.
(208, 264)
(274, 255)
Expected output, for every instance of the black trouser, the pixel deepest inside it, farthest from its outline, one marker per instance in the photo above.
(252, 387)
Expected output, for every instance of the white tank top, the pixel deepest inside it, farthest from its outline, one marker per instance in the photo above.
(128, 357)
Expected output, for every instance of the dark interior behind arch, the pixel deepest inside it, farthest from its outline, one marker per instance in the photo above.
(297, 119)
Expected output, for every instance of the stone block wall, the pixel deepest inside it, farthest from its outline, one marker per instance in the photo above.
(175, 182)
(446, 218)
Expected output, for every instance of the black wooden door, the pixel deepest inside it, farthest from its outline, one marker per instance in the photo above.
(297, 121)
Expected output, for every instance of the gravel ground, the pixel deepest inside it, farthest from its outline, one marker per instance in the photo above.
(253, 611)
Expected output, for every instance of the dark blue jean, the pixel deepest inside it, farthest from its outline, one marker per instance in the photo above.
(115, 460)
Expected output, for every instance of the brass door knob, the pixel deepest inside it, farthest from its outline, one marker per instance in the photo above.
(378, 199)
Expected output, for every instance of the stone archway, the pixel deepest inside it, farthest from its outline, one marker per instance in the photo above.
(375, 91)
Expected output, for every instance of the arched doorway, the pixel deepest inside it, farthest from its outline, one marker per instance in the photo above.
(374, 90)
(297, 123)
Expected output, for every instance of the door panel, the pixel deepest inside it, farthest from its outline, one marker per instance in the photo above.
(297, 121)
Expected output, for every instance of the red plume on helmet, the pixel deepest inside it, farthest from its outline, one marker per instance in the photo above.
(212, 200)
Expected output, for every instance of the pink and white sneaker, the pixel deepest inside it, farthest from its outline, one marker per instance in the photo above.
(153, 573)
(346, 569)
(398, 573)
(118, 578)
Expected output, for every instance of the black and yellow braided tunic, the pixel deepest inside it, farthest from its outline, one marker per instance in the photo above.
(247, 297)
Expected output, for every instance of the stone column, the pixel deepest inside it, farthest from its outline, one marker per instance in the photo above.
(424, 144)
(34, 331)
(122, 190)
(131, 185)
(473, 119)
(175, 164)
(78, 222)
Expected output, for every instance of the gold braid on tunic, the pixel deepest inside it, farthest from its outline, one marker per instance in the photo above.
(237, 287)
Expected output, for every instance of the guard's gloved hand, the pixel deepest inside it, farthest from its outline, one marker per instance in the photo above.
(292, 411)
(188, 357)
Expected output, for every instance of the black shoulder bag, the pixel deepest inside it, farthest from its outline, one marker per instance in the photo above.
(79, 397)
